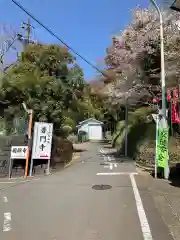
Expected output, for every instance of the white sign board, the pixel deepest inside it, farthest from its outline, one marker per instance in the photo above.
(42, 140)
(18, 152)
(155, 117)
(161, 112)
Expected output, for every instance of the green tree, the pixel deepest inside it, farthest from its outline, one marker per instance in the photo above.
(48, 79)
(43, 79)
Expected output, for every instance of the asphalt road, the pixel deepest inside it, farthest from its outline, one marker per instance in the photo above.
(64, 206)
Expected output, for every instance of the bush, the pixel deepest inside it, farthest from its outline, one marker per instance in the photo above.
(62, 150)
(118, 135)
(146, 153)
(83, 136)
(141, 139)
(108, 136)
(73, 138)
(69, 122)
(138, 125)
(66, 130)
(139, 134)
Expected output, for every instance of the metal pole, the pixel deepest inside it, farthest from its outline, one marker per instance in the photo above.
(163, 85)
(31, 166)
(29, 141)
(126, 127)
(28, 29)
(156, 151)
(10, 168)
(163, 122)
(48, 167)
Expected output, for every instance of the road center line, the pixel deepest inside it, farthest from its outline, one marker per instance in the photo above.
(141, 212)
(7, 222)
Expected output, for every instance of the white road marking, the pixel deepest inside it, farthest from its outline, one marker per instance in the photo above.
(111, 166)
(106, 166)
(115, 164)
(23, 181)
(7, 222)
(105, 158)
(115, 173)
(101, 151)
(5, 199)
(141, 212)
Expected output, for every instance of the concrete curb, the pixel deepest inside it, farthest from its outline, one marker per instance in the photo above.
(72, 161)
(148, 169)
(21, 179)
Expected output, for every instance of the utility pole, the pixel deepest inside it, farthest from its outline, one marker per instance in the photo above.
(126, 126)
(27, 26)
(163, 122)
(28, 29)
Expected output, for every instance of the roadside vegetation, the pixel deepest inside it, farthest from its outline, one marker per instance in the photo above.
(48, 79)
(133, 62)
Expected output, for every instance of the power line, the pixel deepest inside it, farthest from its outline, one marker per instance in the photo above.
(56, 36)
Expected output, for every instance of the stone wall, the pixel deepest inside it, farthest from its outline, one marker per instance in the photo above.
(5, 148)
(62, 151)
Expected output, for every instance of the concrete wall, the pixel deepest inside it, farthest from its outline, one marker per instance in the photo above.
(85, 126)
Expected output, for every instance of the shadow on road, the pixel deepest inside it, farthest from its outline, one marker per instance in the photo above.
(160, 174)
(79, 150)
(174, 175)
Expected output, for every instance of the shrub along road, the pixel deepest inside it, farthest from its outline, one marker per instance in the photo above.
(95, 198)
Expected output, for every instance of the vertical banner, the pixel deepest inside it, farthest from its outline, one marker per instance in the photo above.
(162, 147)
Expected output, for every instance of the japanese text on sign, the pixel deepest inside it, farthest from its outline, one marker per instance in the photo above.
(42, 140)
(162, 147)
(18, 152)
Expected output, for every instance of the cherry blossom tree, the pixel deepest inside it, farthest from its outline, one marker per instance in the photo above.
(134, 55)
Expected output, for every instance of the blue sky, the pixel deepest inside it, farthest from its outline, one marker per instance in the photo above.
(87, 26)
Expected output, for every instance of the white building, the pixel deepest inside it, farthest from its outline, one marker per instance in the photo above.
(93, 129)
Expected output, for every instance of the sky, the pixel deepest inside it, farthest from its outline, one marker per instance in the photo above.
(86, 26)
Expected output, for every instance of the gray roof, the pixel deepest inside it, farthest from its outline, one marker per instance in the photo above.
(89, 119)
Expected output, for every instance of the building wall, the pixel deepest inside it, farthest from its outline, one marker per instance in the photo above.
(85, 127)
(95, 132)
